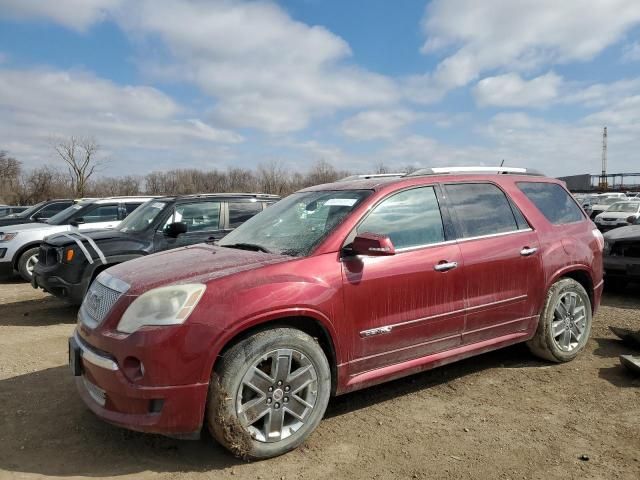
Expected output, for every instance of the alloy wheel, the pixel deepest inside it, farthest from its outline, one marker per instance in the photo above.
(569, 321)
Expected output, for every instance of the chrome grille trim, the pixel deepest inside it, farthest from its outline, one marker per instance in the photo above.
(103, 294)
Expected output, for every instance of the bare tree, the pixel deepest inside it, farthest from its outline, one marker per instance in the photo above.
(79, 155)
(10, 170)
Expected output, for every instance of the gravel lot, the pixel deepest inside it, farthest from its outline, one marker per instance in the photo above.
(501, 415)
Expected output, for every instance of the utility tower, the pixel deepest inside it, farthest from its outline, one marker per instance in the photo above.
(603, 178)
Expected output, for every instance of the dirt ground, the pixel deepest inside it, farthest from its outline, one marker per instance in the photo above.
(503, 415)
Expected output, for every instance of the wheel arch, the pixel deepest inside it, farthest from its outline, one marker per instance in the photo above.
(305, 323)
(21, 250)
(580, 274)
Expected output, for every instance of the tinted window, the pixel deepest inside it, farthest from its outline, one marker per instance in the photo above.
(199, 216)
(100, 213)
(50, 210)
(240, 212)
(130, 207)
(481, 209)
(553, 201)
(410, 218)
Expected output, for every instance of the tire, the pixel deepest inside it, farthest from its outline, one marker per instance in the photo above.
(555, 318)
(615, 284)
(234, 426)
(26, 263)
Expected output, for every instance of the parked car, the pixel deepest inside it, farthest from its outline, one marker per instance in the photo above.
(617, 215)
(19, 244)
(68, 263)
(10, 210)
(37, 213)
(336, 288)
(622, 256)
(602, 204)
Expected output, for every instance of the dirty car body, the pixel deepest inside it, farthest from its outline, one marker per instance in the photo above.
(622, 253)
(390, 276)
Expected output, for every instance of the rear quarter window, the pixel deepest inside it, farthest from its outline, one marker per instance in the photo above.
(553, 201)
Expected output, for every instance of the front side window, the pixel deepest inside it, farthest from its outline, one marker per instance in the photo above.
(553, 201)
(52, 209)
(410, 219)
(297, 224)
(100, 213)
(199, 216)
(481, 209)
(142, 217)
(240, 212)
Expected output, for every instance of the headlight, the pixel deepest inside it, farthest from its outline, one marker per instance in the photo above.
(5, 237)
(161, 306)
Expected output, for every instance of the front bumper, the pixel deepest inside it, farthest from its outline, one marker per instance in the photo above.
(106, 389)
(620, 266)
(58, 286)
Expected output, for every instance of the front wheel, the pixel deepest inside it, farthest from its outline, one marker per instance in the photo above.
(268, 393)
(27, 262)
(564, 324)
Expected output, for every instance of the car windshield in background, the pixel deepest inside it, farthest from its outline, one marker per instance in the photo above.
(143, 216)
(65, 215)
(631, 207)
(607, 201)
(295, 225)
(27, 213)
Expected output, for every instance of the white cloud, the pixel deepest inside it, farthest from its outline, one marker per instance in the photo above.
(523, 35)
(511, 90)
(631, 52)
(601, 95)
(372, 124)
(264, 69)
(75, 14)
(38, 105)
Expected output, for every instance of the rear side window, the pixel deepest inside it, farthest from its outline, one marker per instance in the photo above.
(482, 209)
(100, 213)
(199, 216)
(410, 218)
(553, 201)
(240, 212)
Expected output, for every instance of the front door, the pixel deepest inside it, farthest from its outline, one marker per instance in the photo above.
(501, 258)
(407, 305)
(202, 220)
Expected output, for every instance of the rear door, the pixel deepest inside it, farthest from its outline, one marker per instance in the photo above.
(203, 220)
(404, 306)
(103, 215)
(503, 270)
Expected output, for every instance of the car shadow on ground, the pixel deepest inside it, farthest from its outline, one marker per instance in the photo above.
(617, 375)
(37, 312)
(629, 298)
(48, 430)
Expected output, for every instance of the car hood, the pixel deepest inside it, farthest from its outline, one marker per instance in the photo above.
(199, 263)
(608, 214)
(96, 235)
(33, 227)
(632, 232)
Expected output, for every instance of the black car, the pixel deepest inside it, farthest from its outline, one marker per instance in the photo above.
(7, 210)
(37, 213)
(622, 256)
(68, 263)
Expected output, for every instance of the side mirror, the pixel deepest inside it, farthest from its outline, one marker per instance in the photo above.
(373, 245)
(77, 221)
(175, 229)
(632, 219)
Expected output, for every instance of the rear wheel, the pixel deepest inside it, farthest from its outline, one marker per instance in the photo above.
(27, 263)
(565, 322)
(268, 393)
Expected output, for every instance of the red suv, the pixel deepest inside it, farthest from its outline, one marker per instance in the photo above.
(336, 288)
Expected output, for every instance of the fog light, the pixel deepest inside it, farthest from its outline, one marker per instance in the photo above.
(133, 368)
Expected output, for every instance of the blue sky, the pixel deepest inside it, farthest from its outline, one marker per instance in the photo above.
(211, 84)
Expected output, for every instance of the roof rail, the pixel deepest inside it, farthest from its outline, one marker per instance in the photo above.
(229, 194)
(367, 176)
(479, 169)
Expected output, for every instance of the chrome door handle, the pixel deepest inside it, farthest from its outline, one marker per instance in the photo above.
(444, 267)
(526, 251)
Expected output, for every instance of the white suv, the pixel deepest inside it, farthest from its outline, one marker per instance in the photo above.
(19, 244)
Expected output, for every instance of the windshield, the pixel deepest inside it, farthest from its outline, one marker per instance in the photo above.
(27, 213)
(65, 215)
(295, 225)
(141, 217)
(607, 201)
(631, 207)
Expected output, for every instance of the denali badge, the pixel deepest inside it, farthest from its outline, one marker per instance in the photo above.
(375, 331)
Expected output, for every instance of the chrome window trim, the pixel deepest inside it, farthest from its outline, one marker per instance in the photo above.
(460, 240)
(92, 357)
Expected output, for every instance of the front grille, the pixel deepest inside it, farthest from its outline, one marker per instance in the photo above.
(98, 394)
(609, 219)
(626, 249)
(47, 255)
(97, 303)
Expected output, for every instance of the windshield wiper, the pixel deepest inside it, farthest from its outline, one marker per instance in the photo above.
(248, 246)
